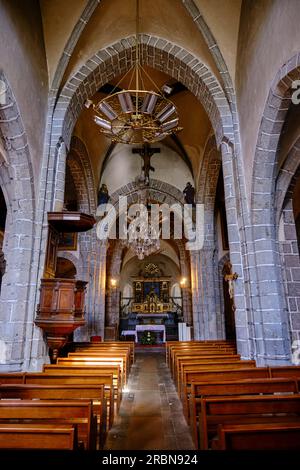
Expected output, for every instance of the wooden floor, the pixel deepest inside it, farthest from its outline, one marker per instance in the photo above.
(151, 416)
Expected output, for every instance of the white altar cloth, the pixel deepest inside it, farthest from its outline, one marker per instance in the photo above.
(150, 328)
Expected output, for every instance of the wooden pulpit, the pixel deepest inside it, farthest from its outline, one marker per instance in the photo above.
(61, 307)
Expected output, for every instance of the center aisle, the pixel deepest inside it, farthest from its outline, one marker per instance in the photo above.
(151, 416)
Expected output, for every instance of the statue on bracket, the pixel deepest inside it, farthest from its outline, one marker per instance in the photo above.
(103, 195)
(189, 194)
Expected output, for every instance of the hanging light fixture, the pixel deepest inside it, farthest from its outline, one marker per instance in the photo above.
(143, 238)
(136, 116)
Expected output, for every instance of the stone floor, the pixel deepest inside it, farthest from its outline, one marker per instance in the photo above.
(150, 416)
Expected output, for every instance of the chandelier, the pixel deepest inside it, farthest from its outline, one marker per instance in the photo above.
(143, 238)
(136, 115)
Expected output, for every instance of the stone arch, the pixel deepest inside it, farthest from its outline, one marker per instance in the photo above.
(265, 164)
(215, 51)
(21, 338)
(71, 43)
(269, 323)
(77, 262)
(158, 53)
(183, 66)
(160, 192)
(87, 181)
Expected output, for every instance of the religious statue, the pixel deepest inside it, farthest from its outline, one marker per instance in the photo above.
(152, 301)
(189, 194)
(229, 277)
(103, 195)
(146, 152)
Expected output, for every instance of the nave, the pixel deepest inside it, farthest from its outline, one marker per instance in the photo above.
(151, 415)
(193, 395)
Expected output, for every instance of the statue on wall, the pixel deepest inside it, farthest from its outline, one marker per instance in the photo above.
(229, 277)
(189, 194)
(103, 195)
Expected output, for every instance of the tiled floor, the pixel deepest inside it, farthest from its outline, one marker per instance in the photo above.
(151, 414)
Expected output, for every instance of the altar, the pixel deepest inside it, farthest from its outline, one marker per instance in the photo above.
(150, 328)
(150, 307)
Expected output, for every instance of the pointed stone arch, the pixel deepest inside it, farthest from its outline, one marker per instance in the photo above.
(21, 338)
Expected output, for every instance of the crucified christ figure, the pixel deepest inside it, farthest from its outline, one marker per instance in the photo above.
(146, 152)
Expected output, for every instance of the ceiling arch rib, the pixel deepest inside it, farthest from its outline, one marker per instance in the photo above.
(158, 53)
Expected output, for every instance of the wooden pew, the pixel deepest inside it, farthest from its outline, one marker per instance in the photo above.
(38, 436)
(200, 345)
(285, 371)
(39, 378)
(177, 353)
(12, 378)
(194, 358)
(130, 345)
(208, 370)
(243, 410)
(78, 412)
(96, 370)
(95, 393)
(105, 358)
(200, 364)
(201, 390)
(266, 436)
(182, 344)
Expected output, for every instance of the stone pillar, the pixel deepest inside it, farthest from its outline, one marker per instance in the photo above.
(203, 295)
(232, 181)
(59, 177)
(99, 301)
(186, 293)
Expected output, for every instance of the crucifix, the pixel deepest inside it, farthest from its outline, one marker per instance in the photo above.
(146, 152)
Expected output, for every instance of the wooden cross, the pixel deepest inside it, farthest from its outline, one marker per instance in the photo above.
(146, 152)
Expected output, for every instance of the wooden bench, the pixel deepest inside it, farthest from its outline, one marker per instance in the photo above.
(95, 393)
(227, 388)
(171, 349)
(187, 366)
(39, 378)
(245, 410)
(201, 343)
(104, 359)
(112, 351)
(194, 358)
(130, 345)
(87, 369)
(266, 436)
(175, 351)
(38, 436)
(12, 378)
(94, 362)
(197, 351)
(285, 371)
(78, 412)
(208, 371)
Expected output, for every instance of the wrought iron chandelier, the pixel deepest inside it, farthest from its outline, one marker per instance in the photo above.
(142, 237)
(136, 116)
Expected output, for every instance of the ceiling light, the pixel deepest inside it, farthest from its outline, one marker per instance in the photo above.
(136, 115)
